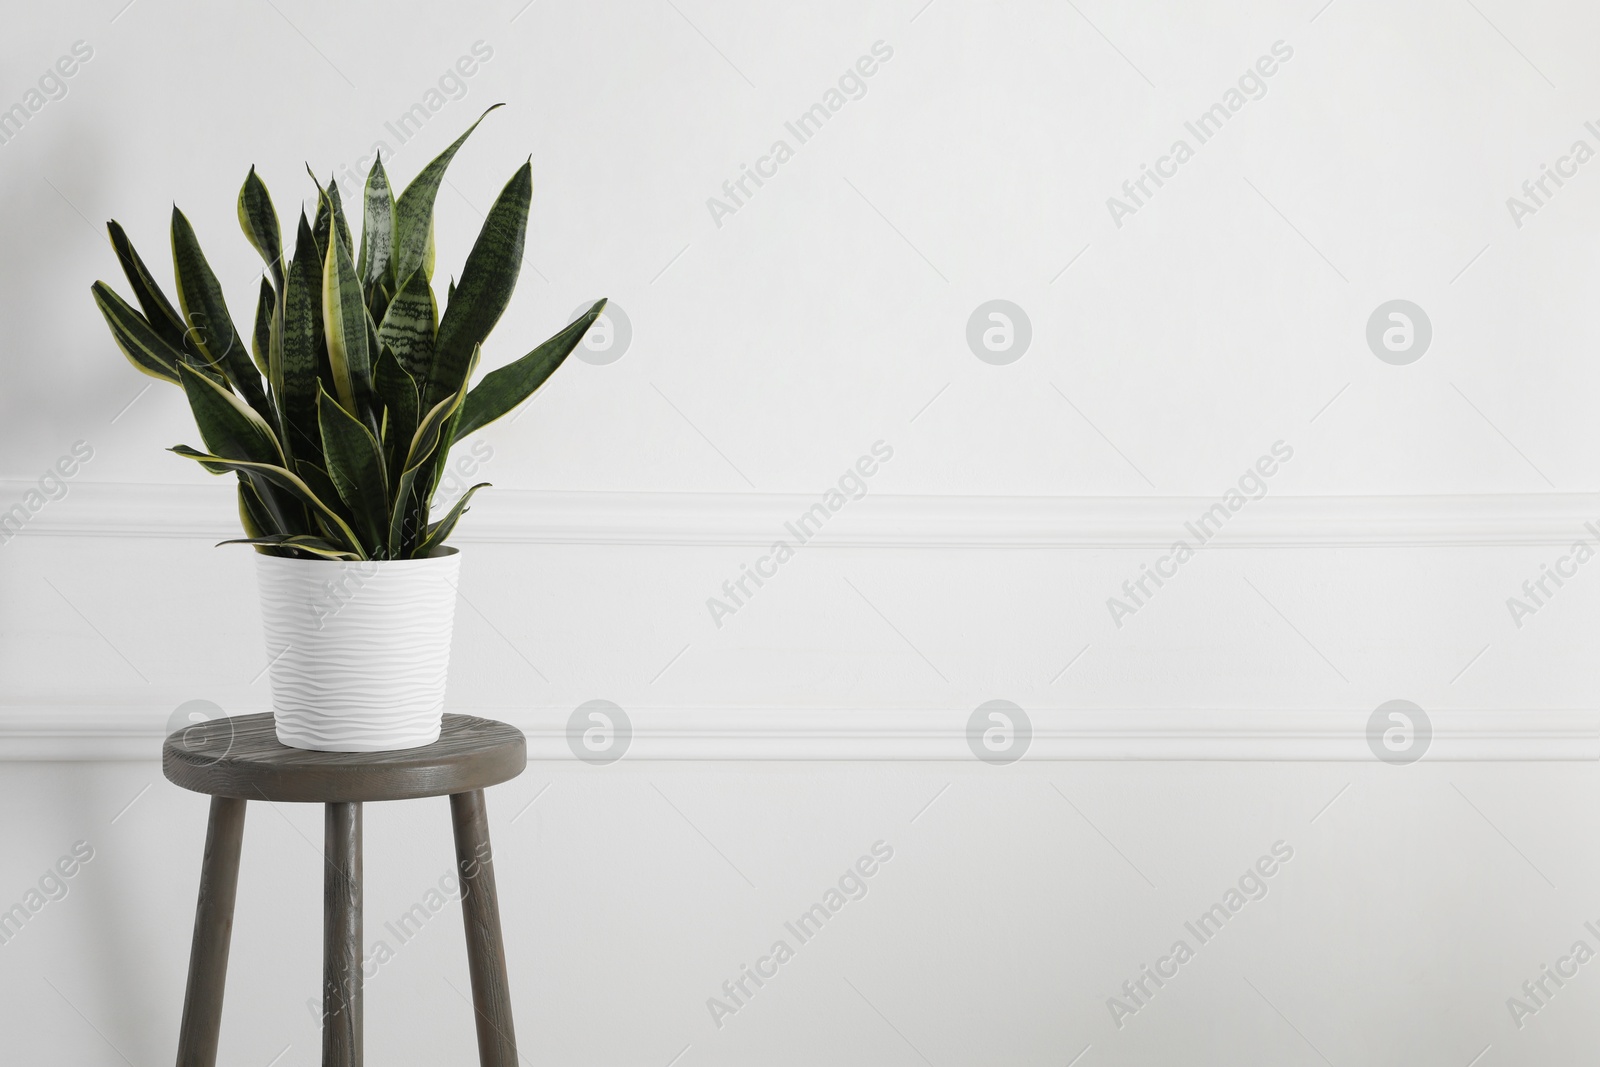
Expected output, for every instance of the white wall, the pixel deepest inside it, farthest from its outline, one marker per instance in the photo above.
(771, 348)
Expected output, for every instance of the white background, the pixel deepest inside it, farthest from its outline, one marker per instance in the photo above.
(768, 353)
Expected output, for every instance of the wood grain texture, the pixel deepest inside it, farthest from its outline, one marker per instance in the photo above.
(246, 761)
(480, 910)
(341, 936)
(213, 932)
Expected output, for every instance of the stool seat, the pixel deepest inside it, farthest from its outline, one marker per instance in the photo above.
(241, 757)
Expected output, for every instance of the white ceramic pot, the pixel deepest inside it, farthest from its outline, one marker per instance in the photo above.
(358, 652)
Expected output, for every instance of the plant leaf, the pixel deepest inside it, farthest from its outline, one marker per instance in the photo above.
(211, 330)
(355, 464)
(344, 322)
(487, 282)
(318, 481)
(447, 436)
(143, 346)
(414, 209)
(322, 485)
(398, 392)
(504, 388)
(302, 345)
(430, 430)
(261, 339)
(233, 430)
(253, 514)
(209, 327)
(283, 479)
(410, 513)
(264, 509)
(322, 225)
(407, 522)
(409, 325)
(377, 229)
(230, 428)
(443, 528)
(259, 220)
(340, 225)
(316, 546)
(158, 310)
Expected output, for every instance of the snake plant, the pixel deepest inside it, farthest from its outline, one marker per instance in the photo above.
(339, 419)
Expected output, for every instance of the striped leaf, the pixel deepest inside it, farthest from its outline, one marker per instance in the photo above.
(145, 349)
(355, 464)
(211, 329)
(230, 427)
(430, 430)
(205, 314)
(259, 220)
(377, 231)
(344, 323)
(268, 508)
(413, 213)
(253, 514)
(284, 479)
(322, 485)
(409, 326)
(503, 389)
(427, 484)
(408, 521)
(445, 526)
(487, 282)
(429, 253)
(398, 392)
(314, 546)
(302, 345)
(280, 510)
(322, 225)
(261, 337)
(158, 310)
(341, 225)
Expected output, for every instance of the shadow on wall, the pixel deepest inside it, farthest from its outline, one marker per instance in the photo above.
(55, 344)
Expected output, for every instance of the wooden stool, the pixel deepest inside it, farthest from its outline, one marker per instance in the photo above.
(239, 759)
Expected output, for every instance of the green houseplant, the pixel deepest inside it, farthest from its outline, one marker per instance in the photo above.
(338, 422)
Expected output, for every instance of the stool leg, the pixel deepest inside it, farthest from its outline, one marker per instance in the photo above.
(213, 930)
(486, 953)
(341, 936)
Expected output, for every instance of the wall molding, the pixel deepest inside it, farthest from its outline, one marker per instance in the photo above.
(78, 731)
(87, 733)
(106, 509)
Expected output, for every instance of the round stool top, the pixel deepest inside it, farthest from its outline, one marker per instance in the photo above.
(241, 757)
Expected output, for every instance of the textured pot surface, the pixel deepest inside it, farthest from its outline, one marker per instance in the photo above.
(358, 652)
